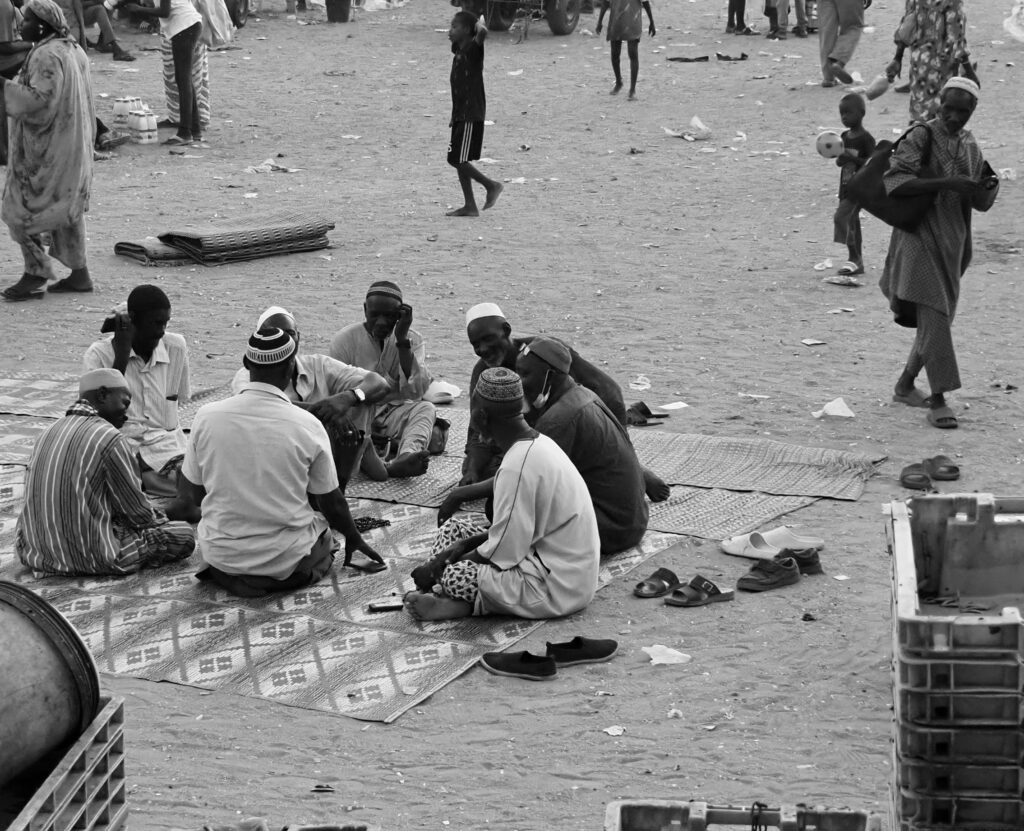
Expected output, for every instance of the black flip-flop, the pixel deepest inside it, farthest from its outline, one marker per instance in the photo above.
(657, 585)
(64, 287)
(698, 592)
(943, 418)
(915, 477)
(701, 59)
(941, 469)
(639, 414)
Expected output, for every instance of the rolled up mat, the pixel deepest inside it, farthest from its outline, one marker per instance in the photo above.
(152, 252)
(248, 239)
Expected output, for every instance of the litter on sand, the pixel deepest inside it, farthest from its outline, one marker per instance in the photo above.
(752, 395)
(615, 730)
(836, 408)
(270, 166)
(812, 342)
(641, 382)
(840, 577)
(696, 131)
(661, 654)
(840, 310)
(674, 405)
(823, 265)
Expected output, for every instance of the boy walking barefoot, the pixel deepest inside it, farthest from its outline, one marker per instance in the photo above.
(625, 23)
(858, 145)
(469, 104)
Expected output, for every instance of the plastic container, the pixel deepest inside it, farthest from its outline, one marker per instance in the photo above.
(670, 815)
(86, 790)
(942, 709)
(917, 812)
(960, 675)
(960, 745)
(929, 779)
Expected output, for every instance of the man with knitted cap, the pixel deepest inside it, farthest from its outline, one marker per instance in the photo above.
(155, 364)
(593, 439)
(339, 394)
(386, 343)
(85, 512)
(262, 471)
(924, 267)
(539, 557)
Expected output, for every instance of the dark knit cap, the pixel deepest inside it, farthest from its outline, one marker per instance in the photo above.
(385, 288)
(499, 385)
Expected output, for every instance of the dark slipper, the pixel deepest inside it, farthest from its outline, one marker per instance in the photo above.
(914, 398)
(657, 585)
(943, 418)
(915, 477)
(177, 141)
(698, 592)
(941, 469)
(13, 294)
(582, 650)
(701, 59)
(64, 287)
(519, 665)
(640, 415)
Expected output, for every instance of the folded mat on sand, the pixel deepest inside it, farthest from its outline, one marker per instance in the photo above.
(317, 648)
(152, 252)
(250, 239)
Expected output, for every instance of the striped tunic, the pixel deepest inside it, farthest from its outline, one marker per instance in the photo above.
(85, 512)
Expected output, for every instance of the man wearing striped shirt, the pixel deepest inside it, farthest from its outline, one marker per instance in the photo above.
(85, 512)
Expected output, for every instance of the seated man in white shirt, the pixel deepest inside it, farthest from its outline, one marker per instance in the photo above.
(339, 395)
(540, 556)
(262, 471)
(386, 343)
(155, 364)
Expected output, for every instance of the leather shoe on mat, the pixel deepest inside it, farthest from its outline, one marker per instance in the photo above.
(769, 574)
(582, 651)
(519, 665)
(806, 559)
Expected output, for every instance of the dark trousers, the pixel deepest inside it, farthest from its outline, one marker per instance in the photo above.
(736, 11)
(309, 570)
(183, 49)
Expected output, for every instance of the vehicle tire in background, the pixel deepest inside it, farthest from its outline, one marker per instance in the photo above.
(499, 15)
(562, 15)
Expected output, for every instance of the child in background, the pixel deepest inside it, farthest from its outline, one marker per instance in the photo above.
(467, 36)
(626, 23)
(858, 145)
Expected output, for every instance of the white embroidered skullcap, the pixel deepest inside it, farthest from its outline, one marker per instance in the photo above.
(112, 379)
(966, 84)
(483, 310)
(269, 313)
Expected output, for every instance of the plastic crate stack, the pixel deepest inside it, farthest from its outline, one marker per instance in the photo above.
(958, 696)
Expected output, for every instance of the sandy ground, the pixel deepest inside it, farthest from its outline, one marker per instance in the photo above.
(688, 262)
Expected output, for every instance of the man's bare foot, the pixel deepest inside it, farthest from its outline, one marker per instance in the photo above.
(424, 606)
(408, 464)
(492, 195)
(373, 465)
(656, 488)
(465, 210)
(632, 95)
(616, 89)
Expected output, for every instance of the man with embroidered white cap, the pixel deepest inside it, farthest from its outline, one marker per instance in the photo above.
(85, 511)
(490, 335)
(339, 395)
(386, 343)
(263, 472)
(924, 267)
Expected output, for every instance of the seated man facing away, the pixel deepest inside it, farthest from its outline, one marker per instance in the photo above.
(155, 364)
(491, 337)
(262, 472)
(387, 344)
(339, 395)
(539, 558)
(595, 442)
(85, 512)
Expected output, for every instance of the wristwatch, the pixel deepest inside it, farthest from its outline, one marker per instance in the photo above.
(359, 394)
